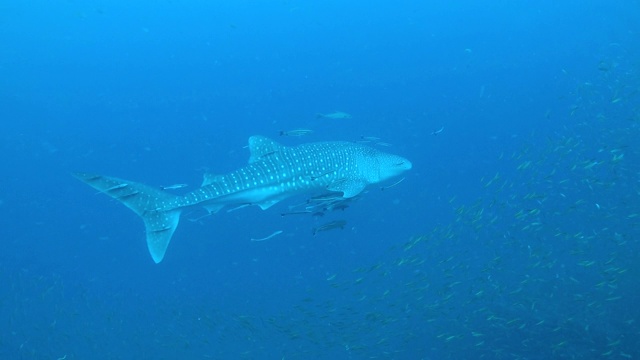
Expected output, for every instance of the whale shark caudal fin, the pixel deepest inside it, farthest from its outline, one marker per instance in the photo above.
(158, 209)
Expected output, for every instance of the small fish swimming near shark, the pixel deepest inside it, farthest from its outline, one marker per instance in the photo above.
(336, 115)
(337, 224)
(173, 187)
(296, 132)
(320, 204)
(275, 172)
(366, 139)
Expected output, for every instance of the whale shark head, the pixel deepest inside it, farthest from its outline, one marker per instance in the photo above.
(379, 166)
(392, 165)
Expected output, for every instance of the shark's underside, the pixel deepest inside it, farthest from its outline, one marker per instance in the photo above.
(274, 172)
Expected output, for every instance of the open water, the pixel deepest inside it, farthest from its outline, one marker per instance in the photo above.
(516, 235)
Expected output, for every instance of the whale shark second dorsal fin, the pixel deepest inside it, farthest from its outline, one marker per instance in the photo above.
(208, 179)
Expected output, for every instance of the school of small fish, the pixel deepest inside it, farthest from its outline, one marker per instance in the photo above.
(542, 265)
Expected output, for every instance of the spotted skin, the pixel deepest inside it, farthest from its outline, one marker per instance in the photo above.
(275, 172)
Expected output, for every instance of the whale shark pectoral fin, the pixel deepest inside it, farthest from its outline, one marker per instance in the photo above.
(349, 188)
(213, 208)
(160, 226)
(267, 204)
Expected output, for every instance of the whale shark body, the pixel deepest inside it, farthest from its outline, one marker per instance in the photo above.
(275, 172)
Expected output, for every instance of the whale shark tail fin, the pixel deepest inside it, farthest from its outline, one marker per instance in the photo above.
(159, 210)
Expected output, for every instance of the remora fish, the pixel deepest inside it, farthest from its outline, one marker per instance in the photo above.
(338, 224)
(296, 132)
(334, 115)
(275, 172)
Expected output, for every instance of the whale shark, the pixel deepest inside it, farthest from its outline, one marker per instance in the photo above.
(274, 172)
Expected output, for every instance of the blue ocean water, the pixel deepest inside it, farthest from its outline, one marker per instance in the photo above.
(514, 236)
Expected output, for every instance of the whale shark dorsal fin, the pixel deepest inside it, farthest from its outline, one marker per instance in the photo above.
(260, 146)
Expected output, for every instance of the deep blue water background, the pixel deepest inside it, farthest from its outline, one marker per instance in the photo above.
(540, 262)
